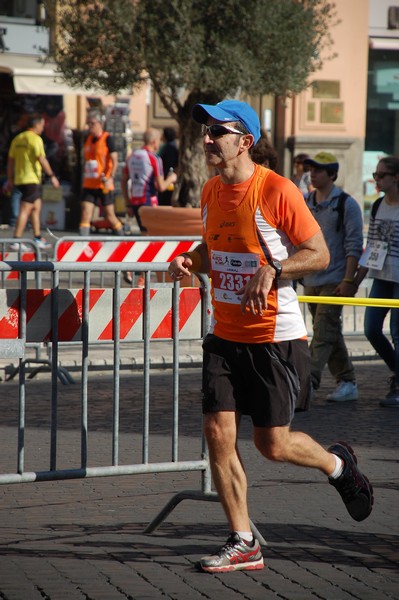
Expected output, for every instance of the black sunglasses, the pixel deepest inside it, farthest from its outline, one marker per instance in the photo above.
(216, 131)
(381, 175)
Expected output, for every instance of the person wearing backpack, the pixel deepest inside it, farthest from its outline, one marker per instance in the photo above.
(380, 261)
(340, 220)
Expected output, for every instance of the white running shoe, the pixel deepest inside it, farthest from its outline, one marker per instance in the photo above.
(345, 391)
(43, 244)
(15, 246)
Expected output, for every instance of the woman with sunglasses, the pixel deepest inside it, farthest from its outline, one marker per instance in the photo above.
(380, 261)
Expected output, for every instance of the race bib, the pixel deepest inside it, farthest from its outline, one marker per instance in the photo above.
(91, 169)
(230, 272)
(374, 255)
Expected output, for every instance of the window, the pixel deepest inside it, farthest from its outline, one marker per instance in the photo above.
(18, 9)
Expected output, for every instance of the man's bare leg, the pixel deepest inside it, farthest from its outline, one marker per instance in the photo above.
(25, 210)
(86, 215)
(221, 430)
(283, 445)
(109, 213)
(35, 217)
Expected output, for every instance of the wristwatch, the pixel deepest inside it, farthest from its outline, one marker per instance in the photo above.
(277, 266)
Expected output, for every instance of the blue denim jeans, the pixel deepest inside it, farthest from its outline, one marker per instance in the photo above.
(374, 321)
(15, 201)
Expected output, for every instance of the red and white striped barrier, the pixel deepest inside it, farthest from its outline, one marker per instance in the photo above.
(70, 311)
(131, 250)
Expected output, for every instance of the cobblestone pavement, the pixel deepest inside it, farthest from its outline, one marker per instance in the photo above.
(84, 540)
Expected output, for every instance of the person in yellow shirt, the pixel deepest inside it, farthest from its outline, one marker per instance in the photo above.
(26, 161)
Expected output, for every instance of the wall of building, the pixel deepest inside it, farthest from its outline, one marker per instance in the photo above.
(330, 115)
(378, 18)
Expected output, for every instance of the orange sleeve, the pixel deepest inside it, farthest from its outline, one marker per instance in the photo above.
(284, 207)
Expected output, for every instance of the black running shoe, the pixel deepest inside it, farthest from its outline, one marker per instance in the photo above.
(235, 555)
(355, 489)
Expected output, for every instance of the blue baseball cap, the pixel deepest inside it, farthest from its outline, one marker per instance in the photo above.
(227, 111)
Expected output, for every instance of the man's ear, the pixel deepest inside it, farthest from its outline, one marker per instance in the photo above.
(247, 141)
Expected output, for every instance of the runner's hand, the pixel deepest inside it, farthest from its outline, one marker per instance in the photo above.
(179, 267)
(254, 293)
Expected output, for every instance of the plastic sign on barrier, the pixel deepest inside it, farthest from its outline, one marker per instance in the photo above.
(100, 317)
(140, 250)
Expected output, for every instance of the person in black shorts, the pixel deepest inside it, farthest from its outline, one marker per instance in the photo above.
(26, 161)
(100, 166)
(258, 235)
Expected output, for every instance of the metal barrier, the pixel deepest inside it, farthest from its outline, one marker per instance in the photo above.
(56, 314)
(25, 250)
(96, 249)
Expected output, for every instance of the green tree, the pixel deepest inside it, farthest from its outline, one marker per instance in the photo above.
(193, 51)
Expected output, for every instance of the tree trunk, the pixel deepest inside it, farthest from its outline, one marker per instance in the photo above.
(193, 171)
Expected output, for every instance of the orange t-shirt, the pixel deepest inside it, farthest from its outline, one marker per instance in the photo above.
(267, 208)
(97, 162)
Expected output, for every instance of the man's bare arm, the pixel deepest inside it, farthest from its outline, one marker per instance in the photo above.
(162, 183)
(312, 255)
(8, 186)
(49, 171)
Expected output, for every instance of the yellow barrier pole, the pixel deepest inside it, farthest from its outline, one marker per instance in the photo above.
(380, 302)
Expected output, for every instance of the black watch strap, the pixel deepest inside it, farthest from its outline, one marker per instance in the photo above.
(277, 266)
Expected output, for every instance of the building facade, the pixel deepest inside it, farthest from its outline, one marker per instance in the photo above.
(350, 107)
(331, 113)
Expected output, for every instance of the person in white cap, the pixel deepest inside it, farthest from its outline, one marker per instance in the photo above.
(256, 356)
(340, 219)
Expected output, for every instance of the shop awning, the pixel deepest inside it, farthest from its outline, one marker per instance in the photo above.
(31, 76)
(384, 43)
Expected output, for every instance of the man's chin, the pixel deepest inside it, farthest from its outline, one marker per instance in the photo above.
(213, 160)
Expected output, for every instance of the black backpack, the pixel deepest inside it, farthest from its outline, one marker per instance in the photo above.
(340, 209)
(375, 207)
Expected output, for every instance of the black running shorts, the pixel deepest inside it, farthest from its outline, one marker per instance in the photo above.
(265, 381)
(97, 196)
(30, 192)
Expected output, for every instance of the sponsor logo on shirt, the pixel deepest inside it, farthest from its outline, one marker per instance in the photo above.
(227, 224)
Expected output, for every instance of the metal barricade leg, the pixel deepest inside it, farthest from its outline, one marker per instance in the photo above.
(205, 494)
(45, 365)
(193, 495)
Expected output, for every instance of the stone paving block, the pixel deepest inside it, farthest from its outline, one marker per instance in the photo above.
(87, 535)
